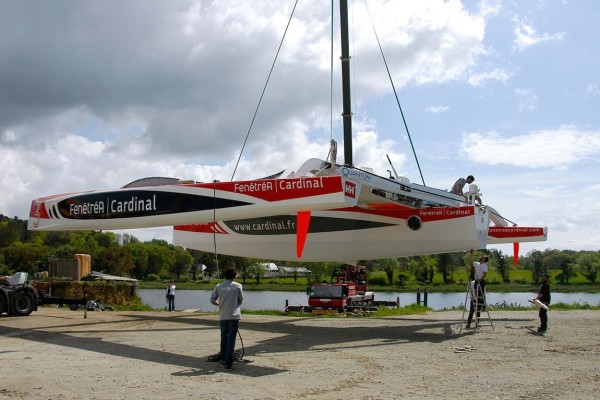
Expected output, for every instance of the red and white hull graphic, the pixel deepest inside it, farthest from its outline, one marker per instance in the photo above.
(512, 234)
(349, 234)
(168, 205)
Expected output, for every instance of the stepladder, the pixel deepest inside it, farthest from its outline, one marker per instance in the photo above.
(475, 305)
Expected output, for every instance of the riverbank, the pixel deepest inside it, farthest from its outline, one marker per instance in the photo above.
(275, 300)
(56, 354)
(301, 285)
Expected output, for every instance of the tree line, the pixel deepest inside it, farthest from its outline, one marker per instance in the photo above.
(22, 250)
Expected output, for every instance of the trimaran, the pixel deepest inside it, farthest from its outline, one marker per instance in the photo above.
(323, 211)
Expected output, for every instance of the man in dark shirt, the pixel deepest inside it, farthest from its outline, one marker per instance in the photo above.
(544, 297)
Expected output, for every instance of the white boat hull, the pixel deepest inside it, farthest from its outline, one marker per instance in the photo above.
(346, 235)
(168, 205)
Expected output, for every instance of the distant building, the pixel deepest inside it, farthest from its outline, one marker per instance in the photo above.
(294, 271)
(271, 270)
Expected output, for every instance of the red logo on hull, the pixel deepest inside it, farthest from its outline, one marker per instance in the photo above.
(350, 189)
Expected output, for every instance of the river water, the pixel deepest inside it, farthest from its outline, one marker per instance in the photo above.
(200, 299)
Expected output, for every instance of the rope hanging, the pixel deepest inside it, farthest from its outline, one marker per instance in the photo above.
(396, 95)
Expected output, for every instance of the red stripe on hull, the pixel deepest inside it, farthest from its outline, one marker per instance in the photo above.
(503, 232)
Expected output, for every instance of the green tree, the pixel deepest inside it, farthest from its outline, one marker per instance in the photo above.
(294, 268)
(589, 264)
(85, 242)
(160, 258)
(115, 260)
(24, 257)
(139, 254)
(537, 265)
(445, 265)
(498, 260)
(12, 230)
(258, 270)
(244, 266)
(127, 238)
(389, 265)
(8, 234)
(431, 265)
(420, 270)
(206, 259)
(183, 259)
(106, 239)
(562, 261)
(57, 238)
(318, 271)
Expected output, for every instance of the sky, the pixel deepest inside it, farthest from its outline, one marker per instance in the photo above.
(94, 95)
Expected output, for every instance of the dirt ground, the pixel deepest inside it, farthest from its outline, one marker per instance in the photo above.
(57, 354)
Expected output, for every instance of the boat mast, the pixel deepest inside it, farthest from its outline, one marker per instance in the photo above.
(347, 111)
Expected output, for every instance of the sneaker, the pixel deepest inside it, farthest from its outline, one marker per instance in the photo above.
(540, 329)
(225, 365)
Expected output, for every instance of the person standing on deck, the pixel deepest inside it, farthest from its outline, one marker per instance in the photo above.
(458, 186)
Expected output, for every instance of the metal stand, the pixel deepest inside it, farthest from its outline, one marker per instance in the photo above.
(476, 296)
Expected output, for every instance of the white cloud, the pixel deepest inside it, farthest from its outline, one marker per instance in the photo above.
(497, 74)
(437, 109)
(489, 8)
(593, 90)
(526, 36)
(370, 152)
(558, 148)
(527, 99)
(424, 42)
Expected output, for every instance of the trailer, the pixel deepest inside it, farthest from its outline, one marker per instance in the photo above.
(347, 291)
(19, 298)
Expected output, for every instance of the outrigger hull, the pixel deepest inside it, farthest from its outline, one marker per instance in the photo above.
(168, 205)
(514, 234)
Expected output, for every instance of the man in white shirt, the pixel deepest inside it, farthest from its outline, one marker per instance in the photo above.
(478, 293)
(228, 295)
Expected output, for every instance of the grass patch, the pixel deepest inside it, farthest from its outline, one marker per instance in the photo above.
(135, 305)
(412, 309)
(381, 312)
(574, 306)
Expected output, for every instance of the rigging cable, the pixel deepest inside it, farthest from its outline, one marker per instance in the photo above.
(355, 86)
(263, 91)
(214, 227)
(395, 94)
(331, 79)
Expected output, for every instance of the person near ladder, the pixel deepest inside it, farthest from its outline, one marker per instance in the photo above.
(544, 297)
(480, 271)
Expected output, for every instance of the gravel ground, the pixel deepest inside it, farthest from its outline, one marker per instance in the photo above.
(57, 354)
